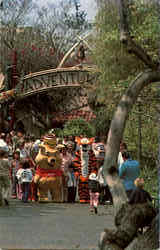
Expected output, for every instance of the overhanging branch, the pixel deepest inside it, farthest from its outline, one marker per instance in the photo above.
(117, 128)
(127, 40)
(133, 48)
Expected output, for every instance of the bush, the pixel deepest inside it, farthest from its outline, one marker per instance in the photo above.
(78, 127)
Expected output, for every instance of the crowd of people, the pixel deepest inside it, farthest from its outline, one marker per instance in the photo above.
(17, 169)
(18, 166)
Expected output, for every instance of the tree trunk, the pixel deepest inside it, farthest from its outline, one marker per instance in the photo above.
(112, 149)
(116, 134)
(113, 240)
(149, 240)
(128, 220)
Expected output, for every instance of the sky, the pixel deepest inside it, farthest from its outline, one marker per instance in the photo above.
(88, 5)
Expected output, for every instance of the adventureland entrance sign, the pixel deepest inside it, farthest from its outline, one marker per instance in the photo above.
(46, 80)
(43, 81)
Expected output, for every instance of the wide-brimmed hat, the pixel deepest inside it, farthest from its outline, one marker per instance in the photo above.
(70, 143)
(49, 143)
(60, 146)
(50, 140)
(93, 177)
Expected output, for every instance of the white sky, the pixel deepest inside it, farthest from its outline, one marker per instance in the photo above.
(88, 5)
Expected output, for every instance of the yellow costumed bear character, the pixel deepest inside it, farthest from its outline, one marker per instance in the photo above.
(49, 176)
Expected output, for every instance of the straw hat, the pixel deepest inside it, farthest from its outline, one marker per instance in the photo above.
(60, 146)
(49, 143)
(50, 140)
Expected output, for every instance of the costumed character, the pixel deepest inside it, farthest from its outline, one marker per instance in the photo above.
(84, 163)
(49, 176)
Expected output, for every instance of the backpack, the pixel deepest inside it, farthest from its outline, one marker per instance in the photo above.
(26, 175)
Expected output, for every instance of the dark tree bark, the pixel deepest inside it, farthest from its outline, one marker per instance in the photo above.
(128, 220)
(149, 240)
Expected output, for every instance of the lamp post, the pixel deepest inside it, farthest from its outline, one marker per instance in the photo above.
(139, 130)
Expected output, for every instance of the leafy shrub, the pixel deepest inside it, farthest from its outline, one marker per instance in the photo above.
(77, 127)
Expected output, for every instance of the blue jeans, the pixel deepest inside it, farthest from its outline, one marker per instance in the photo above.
(25, 191)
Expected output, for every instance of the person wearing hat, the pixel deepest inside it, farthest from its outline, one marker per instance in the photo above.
(93, 186)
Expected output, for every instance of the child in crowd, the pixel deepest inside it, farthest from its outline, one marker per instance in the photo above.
(139, 195)
(19, 189)
(93, 186)
(13, 171)
(24, 174)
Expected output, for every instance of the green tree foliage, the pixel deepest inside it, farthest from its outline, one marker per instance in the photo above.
(77, 20)
(78, 127)
(102, 121)
(119, 67)
(116, 65)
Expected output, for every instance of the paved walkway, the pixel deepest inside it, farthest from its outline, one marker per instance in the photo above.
(52, 226)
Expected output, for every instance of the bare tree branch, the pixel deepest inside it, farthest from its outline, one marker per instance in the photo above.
(126, 38)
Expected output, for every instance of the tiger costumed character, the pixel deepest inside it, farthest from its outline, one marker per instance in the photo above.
(84, 163)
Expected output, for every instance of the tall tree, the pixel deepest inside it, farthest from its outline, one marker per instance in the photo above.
(40, 36)
(149, 63)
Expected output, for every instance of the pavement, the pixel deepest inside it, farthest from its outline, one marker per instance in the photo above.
(52, 226)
